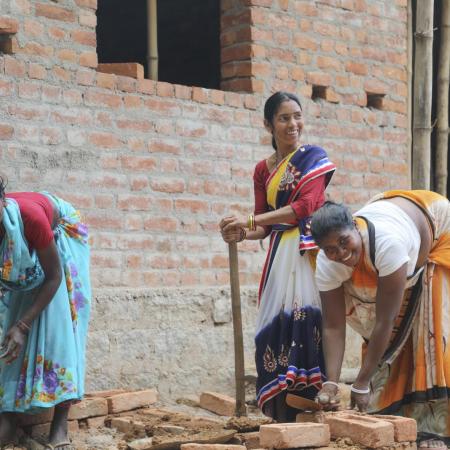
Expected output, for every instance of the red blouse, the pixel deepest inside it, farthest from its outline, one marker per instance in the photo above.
(37, 217)
(312, 196)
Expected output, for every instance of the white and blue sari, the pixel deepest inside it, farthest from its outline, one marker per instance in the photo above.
(288, 328)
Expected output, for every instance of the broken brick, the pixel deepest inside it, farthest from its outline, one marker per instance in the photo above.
(104, 394)
(131, 400)
(89, 407)
(405, 428)
(221, 404)
(290, 435)
(141, 444)
(361, 429)
(195, 446)
(95, 422)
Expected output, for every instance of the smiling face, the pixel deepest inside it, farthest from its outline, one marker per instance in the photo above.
(343, 246)
(287, 125)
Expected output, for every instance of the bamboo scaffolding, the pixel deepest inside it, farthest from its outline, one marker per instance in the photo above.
(442, 102)
(423, 88)
(152, 39)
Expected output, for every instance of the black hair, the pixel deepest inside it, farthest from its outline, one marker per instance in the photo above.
(273, 103)
(3, 183)
(330, 217)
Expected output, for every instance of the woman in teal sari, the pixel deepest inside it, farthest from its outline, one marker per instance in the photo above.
(45, 296)
(289, 186)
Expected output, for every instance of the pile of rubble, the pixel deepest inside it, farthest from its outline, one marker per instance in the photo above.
(120, 420)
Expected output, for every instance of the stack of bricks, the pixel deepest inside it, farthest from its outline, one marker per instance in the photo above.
(92, 411)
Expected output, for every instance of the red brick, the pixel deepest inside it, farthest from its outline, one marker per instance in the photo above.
(8, 25)
(88, 19)
(37, 71)
(146, 86)
(89, 59)
(96, 422)
(292, 435)
(364, 430)
(133, 70)
(357, 68)
(55, 12)
(105, 140)
(141, 444)
(319, 78)
(405, 429)
(126, 424)
(131, 400)
(84, 37)
(199, 94)
(221, 404)
(14, 68)
(91, 4)
(106, 80)
(164, 89)
(196, 446)
(6, 131)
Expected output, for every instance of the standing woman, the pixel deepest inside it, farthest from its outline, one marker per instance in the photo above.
(289, 186)
(46, 295)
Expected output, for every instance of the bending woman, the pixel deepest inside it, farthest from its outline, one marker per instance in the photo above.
(46, 296)
(289, 186)
(386, 271)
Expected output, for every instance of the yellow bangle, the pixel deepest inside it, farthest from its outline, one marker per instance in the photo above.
(251, 222)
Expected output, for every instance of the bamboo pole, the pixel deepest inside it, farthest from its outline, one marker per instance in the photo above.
(442, 101)
(423, 87)
(152, 39)
(239, 371)
(410, 81)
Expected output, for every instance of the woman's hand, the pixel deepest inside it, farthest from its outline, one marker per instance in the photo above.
(329, 398)
(231, 228)
(359, 401)
(13, 344)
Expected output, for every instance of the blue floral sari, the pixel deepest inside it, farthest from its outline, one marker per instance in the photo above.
(50, 369)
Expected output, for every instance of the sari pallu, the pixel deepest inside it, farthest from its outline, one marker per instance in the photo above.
(50, 369)
(413, 379)
(288, 329)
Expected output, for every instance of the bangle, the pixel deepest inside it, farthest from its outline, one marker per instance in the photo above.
(23, 327)
(360, 391)
(251, 225)
(243, 235)
(330, 382)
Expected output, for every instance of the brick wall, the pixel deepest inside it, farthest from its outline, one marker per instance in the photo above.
(154, 166)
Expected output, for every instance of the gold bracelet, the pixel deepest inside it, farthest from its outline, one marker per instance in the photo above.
(243, 235)
(251, 222)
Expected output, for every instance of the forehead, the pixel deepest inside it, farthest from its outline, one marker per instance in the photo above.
(333, 237)
(288, 107)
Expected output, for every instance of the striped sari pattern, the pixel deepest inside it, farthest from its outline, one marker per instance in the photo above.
(288, 330)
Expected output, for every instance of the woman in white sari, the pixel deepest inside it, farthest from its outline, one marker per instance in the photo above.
(289, 187)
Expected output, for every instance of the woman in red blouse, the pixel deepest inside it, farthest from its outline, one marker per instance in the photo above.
(289, 186)
(45, 303)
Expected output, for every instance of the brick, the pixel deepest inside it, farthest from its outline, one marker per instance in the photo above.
(36, 71)
(106, 393)
(6, 131)
(195, 446)
(8, 25)
(313, 417)
(364, 430)
(91, 4)
(131, 400)
(291, 435)
(133, 70)
(96, 422)
(250, 440)
(405, 429)
(141, 444)
(55, 12)
(44, 428)
(127, 424)
(89, 59)
(89, 407)
(221, 404)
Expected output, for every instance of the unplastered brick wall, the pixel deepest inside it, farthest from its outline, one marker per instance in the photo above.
(154, 166)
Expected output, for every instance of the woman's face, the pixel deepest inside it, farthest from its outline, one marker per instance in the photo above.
(343, 246)
(287, 125)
